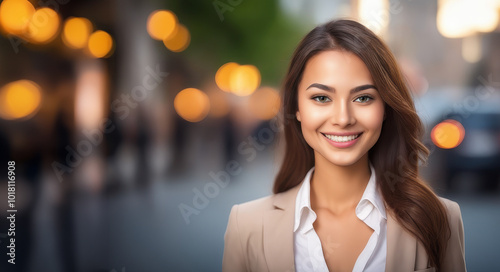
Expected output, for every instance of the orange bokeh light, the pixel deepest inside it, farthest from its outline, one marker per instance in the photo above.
(192, 104)
(264, 103)
(15, 16)
(19, 99)
(161, 24)
(179, 40)
(100, 44)
(76, 32)
(448, 134)
(244, 80)
(223, 76)
(43, 26)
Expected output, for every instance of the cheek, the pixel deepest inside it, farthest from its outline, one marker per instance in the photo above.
(373, 117)
(312, 116)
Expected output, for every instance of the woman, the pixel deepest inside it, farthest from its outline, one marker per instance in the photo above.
(348, 196)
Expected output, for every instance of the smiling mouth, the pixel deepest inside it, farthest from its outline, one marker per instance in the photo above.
(342, 139)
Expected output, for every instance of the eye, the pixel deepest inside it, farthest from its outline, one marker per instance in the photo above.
(321, 99)
(364, 99)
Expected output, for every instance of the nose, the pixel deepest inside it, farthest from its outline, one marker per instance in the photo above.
(342, 115)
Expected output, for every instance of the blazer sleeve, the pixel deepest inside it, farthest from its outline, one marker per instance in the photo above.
(234, 259)
(454, 260)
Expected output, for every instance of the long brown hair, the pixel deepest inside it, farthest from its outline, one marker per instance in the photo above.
(397, 153)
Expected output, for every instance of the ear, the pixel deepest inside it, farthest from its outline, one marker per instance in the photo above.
(297, 114)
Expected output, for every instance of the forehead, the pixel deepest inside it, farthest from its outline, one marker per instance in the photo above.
(335, 67)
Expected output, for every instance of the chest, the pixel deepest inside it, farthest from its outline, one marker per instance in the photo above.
(343, 238)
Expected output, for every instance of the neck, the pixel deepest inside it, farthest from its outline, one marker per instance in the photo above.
(338, 188)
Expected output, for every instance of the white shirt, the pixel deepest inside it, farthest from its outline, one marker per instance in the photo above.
(307, 245)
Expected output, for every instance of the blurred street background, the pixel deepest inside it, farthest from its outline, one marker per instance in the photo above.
(134, 126)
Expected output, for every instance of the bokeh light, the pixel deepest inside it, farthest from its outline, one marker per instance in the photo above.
(76, 32)
(244, 80)
(15, 16)
(179, 40)
(264, 103)
(161, 24)
(91, 94)
(223, 76)
(19, 99)
(100, 44)
(471, 48)
(43, 26)
(369, 11)
(192, 104)
(457, 19)
(448, 134)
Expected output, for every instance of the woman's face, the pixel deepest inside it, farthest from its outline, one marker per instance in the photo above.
(340, 111)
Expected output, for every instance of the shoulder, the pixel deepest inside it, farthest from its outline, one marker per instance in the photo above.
(454, 218)
(244, 237)
(452, 209)
(283, 200)
(454, 259)
(243, 233)
(449, 204)
(248, 215)
(257, 205)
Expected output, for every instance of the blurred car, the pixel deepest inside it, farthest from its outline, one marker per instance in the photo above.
(479, 152)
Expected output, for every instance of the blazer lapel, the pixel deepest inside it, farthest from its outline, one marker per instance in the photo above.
(278, 232)
(278, 238)
(401, 247)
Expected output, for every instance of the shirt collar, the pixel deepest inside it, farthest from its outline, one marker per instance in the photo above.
(303, 202)
(371, 194)
(305, 216)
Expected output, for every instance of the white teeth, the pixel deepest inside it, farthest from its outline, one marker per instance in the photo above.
(341, 139)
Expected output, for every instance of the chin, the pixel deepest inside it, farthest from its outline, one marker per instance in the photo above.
(343, 159)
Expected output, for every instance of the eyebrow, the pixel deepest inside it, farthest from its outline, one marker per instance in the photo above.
(331, 89)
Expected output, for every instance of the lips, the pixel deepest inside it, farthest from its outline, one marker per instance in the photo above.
(342, 137)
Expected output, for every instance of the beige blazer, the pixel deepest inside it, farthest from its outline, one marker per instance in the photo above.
(259, 237)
